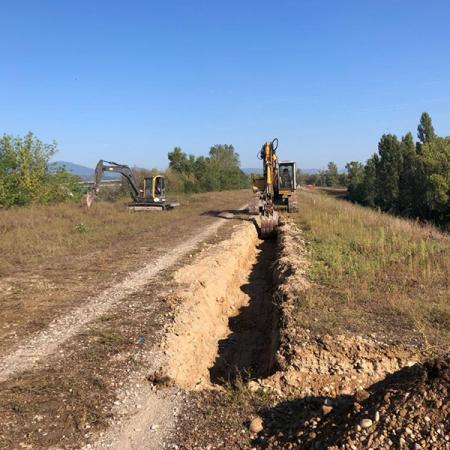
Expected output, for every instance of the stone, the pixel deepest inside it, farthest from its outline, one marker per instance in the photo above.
(366, 423)
(256, 425)
(361, 395)
(326, 409)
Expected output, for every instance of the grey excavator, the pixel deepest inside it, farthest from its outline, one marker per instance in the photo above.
(152, 196)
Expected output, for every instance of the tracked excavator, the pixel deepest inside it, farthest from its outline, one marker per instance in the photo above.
(274, 191)
(151, 197)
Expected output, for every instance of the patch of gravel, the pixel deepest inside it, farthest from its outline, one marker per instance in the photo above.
(408, 409)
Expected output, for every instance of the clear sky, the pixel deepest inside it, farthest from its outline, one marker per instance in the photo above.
(128, 81)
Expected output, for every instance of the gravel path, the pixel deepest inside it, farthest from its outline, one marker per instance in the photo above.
(45, 343)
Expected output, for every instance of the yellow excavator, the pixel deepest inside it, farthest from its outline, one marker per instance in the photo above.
(151, 197)
(274, 191)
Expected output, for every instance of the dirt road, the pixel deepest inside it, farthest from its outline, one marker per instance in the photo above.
(60, 380)
(61, 329)
(194, 341)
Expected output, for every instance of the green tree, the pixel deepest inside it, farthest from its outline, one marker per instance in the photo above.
(224, 163)
(436, 166)
(25, 176)
(425, 129)
(332, 175)
(218, 171)
(408, 184)
(183, 165)
(388, 172)
(369, 184)
(411, 179)
(355, 176)
(300, 177)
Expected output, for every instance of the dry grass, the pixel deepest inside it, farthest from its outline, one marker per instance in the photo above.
(375, 273)
(32, 235)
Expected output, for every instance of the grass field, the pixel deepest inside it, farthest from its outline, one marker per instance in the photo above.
(374, 273)
(31, 235)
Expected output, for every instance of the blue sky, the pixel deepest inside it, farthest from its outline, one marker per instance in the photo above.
(128, 81)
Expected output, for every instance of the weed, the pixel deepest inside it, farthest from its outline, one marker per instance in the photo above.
(82, 228)
(375, 273)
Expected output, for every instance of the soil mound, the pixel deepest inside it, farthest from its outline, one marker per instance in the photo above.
(408, 409)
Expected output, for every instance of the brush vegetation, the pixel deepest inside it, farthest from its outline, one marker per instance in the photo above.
(374, 273)
(25, 177)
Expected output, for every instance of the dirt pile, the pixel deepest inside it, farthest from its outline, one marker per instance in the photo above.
(408, 409)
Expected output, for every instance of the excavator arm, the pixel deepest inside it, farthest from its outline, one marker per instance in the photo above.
(125, 171)
(268, 216)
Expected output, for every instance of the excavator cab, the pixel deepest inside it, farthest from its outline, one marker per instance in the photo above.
(286, 177)
(155, 188)
(286, 185)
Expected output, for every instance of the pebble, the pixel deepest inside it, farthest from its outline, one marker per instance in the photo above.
(326, 409)
(377, 416)
(366, 423)
(253, 386)
(256, 425)
(361, 395)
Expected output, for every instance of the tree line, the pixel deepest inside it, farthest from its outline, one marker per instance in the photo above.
(27, 176)
(404, 177)
(218, 171)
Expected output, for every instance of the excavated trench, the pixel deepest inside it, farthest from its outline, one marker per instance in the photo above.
(226, 323)
(249, 350)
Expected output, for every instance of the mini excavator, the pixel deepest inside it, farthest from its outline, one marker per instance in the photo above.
(151, 197)
(275, 190)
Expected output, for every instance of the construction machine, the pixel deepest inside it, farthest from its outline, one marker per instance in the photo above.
(151, 197)
(275, 190)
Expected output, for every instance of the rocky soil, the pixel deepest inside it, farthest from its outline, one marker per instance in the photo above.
(327, 391)
(409, 409)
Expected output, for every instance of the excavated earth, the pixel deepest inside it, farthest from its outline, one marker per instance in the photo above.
(229, 367)
(271, 384)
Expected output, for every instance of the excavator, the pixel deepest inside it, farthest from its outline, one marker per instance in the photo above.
(275, 190)
(151, 197)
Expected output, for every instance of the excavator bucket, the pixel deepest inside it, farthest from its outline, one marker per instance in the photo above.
(268, 225)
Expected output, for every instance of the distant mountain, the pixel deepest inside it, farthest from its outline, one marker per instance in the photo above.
(86, 173)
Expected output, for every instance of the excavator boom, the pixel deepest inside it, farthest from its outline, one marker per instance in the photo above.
(125, 171)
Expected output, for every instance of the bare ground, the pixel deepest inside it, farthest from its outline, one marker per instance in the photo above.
(213, 355)
(330, 390)
(65, 389)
